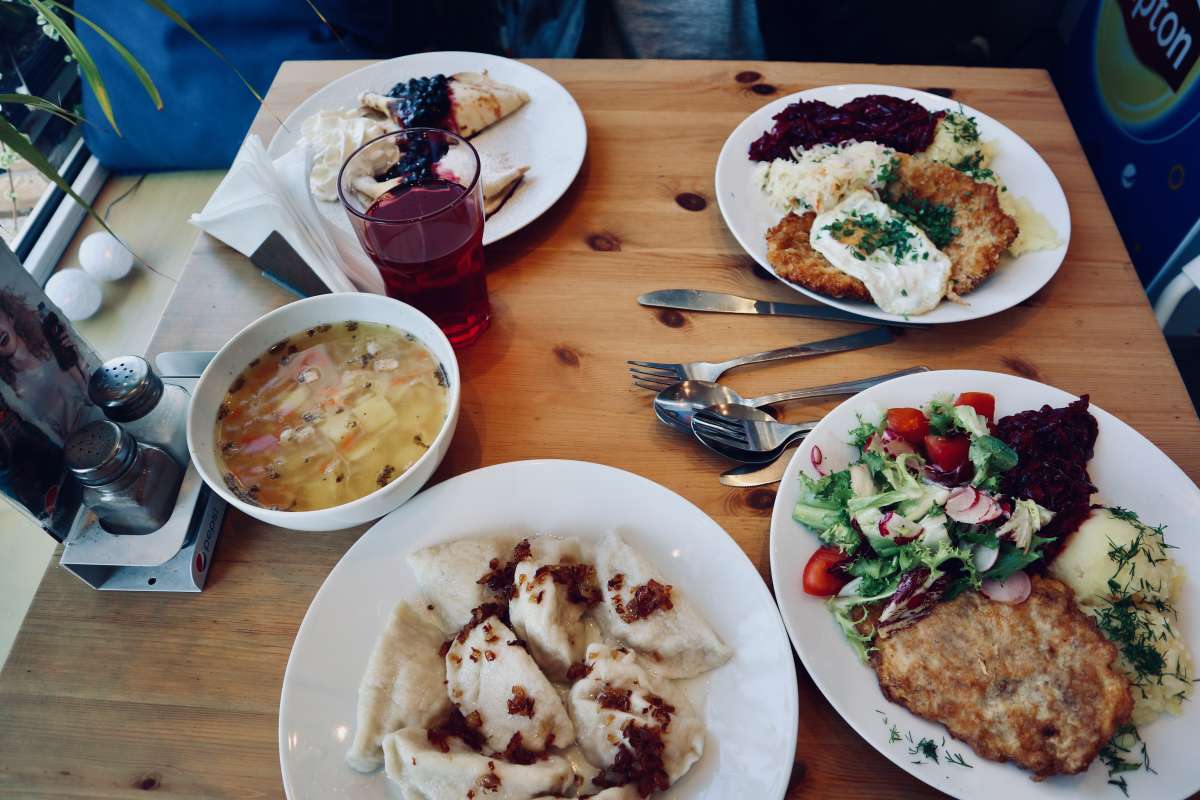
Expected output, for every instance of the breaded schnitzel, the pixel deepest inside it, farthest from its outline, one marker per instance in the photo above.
(1034, 683)
(795, 260)
(984, 232)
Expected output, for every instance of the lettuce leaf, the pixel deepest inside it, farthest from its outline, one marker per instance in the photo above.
(991, 458)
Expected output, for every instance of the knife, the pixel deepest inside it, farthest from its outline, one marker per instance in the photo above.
(749, 475)
(183, 363)
(700, 300)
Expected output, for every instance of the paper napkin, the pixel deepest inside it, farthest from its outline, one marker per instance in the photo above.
(260, 196)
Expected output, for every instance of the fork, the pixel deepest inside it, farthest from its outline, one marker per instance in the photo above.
(656, 376)
(751, 435)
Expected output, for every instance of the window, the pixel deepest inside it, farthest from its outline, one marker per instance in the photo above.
(36, 218)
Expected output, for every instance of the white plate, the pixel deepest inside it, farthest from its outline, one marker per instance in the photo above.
(547, 133)
(749, 705)
(748, 214)
(1130, 471)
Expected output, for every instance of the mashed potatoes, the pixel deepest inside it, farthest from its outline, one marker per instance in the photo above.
(1035, 230)
(957, 143)
(1121, 573)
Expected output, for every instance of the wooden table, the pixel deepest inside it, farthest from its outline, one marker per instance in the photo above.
(109, 695)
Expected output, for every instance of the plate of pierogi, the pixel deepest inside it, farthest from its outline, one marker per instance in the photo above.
(538, 630)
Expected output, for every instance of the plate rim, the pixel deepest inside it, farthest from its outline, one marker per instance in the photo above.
(293, 120)
(727, 155)
(795, 465)
(771, 607)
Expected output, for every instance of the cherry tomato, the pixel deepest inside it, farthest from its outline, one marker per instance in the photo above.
(908, 423)
(948, 453)
(983, 403)
(820, 576)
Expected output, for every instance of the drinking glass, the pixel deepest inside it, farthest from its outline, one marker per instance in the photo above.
(415, 201)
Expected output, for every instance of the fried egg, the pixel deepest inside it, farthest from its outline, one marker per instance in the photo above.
(862, 237)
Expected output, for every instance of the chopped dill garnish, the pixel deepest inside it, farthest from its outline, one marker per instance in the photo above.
(936, 220)
(1115, 756)
(972, 165)
(962, 127)
(874, 235)
(889, 172)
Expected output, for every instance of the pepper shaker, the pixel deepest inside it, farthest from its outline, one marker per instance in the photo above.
(128, 391)
(131, 486)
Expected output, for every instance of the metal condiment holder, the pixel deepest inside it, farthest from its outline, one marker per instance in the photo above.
(175, 558)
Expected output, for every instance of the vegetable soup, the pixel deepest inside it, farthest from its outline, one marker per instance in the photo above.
(329, 415)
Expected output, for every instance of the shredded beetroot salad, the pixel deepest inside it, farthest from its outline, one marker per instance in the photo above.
(1053, 448)
(900, 124)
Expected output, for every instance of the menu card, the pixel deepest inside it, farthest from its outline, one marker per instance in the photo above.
(44, 371)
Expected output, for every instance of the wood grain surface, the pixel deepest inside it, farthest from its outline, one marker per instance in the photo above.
(112, 695)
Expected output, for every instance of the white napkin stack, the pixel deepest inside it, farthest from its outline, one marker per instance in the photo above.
(259, 196)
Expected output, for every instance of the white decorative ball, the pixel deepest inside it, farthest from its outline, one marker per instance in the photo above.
(104, 257)
(74, 291)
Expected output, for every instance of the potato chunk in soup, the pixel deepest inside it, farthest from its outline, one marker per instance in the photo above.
(329, 415)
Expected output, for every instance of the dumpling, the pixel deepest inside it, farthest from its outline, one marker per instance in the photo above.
(553, 590)
(449, 574)
(615, 793)
(403, 684)
(500, 690)
(642, 611)
(425, 771)
(636, 728)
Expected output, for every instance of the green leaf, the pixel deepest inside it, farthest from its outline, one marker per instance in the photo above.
(941, 415)
(1010, 560)
(87, 66)
(164, 8)
(841, 536)
(991, 457)
(14, 140)
(134, 64)
(40, 103)
(864, 431)
(832, 491)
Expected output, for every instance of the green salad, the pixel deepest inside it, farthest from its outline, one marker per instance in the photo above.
(918, 518)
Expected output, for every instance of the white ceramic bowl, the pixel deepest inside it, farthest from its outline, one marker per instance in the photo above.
(253, 340)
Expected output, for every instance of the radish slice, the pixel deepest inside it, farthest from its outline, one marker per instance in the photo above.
(899, 529)
(984, 557)
(985, 510)
(961, 500)
(1013, 590)
(895, 445)
(816, 457)
(991, 510)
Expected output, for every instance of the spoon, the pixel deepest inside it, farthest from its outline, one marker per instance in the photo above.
(747, 476)
(677, 404)
(766, 437)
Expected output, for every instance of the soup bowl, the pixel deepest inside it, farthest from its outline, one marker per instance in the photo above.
(253, 340)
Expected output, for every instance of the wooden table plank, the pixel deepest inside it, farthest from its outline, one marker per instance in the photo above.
(107, 695)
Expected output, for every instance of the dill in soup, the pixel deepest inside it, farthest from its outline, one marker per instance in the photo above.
(329, 415)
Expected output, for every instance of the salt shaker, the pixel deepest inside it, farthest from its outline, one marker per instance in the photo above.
(128, 391)
(131, 486)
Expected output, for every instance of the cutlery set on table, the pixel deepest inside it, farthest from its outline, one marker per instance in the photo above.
(689, 399)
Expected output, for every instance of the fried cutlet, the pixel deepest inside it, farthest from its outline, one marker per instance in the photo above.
(1034, 683)
(985, 231)
(795, 260)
